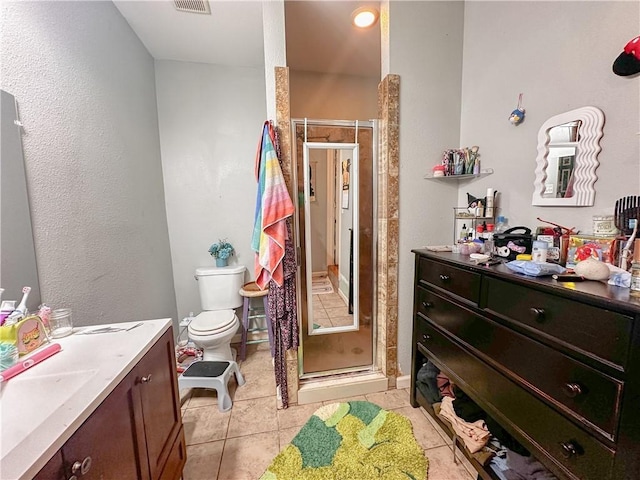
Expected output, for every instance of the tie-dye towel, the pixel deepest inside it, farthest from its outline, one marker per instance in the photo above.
(273, 207)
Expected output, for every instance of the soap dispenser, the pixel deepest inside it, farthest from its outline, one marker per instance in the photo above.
(463, 232)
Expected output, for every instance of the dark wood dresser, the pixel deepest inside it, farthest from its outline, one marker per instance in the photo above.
(557, 365)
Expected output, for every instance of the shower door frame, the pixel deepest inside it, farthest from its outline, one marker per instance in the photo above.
(301, 254)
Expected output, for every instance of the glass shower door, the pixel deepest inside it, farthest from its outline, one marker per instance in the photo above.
(335, 231)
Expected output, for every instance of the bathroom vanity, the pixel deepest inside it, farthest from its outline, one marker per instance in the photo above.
(106, 406)
(557, 365)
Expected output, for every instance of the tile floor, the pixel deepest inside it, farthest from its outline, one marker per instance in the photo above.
(330, 310)
(240, 444)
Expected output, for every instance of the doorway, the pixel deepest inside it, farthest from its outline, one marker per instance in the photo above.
(335, 179)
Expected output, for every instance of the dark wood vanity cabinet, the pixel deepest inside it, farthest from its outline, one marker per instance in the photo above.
(556, 364)
(135, 433)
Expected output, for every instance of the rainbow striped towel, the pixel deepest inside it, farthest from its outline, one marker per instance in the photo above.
(273, 207)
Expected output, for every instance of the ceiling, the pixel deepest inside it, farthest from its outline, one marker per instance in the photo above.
(319, 34)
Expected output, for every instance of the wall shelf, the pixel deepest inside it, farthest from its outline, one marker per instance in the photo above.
(483, 173)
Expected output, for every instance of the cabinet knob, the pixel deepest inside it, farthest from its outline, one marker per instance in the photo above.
(427, 304)
(146, 379)
(572, 389)
(570, 449)
(538, 313)
(426, 337)
(445, 278)
(81, 467)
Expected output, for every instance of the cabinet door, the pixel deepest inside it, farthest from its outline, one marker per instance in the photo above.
(106, 444)
(54, 469)
(158, 389)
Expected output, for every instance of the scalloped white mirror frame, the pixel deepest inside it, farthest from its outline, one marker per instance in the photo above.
(586, 163)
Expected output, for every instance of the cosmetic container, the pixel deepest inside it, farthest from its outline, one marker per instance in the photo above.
(60, 323)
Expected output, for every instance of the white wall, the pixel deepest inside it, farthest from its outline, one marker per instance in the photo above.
(275, 49)
(334, 97)
(430, 86)
(560, 58)
(85, 88)
(210, 123)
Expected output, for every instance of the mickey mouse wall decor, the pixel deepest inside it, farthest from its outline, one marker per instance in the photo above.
(628, 62)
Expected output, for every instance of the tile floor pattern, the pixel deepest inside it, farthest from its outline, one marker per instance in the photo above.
(330, 310)
(240, 444)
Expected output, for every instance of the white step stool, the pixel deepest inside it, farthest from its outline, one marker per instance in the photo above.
(212, 375)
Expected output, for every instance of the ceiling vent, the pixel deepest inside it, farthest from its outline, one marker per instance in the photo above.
(193, 6)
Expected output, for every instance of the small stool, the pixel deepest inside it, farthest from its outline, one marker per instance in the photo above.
(213, 375)
(248, 291)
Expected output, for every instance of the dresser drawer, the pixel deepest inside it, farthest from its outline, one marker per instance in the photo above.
(572, 387)
(461, 282)
(589, 329)
(572, 450)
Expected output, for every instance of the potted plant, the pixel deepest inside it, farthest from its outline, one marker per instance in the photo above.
(221, 251)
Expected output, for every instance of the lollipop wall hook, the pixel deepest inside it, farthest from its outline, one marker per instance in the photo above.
(517, 116)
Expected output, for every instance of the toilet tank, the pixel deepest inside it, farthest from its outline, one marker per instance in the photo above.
(219, 287)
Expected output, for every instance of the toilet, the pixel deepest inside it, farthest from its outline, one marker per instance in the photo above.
(213, 329)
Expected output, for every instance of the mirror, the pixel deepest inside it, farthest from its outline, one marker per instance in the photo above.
(18, 260)
(568, 148)
(331, 211)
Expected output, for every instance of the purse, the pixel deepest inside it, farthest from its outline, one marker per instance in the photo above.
(510, 244)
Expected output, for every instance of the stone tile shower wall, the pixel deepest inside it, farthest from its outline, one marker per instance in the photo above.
(388, 188)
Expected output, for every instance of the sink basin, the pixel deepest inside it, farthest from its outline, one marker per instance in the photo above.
(31, 400)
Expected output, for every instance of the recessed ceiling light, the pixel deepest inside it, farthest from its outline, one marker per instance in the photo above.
(364, 17)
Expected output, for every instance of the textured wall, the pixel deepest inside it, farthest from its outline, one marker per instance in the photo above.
(85, 88)
(430, 82)
(564, 66)
(210, 119)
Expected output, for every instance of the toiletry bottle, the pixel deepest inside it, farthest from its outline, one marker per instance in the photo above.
(489, 209)
(501, 224)
(463, 232)
(488, 239)
(539, 251)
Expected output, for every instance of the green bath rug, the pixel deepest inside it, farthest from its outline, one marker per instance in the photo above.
(351, 441)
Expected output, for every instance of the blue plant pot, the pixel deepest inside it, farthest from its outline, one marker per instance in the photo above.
(222, 262)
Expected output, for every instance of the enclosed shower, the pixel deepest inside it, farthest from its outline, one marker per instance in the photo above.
(335, 179)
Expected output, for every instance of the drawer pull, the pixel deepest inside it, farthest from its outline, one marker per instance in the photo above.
(445, 278)
(538, 313)
(426, 337)
(81, 467)
(427, 304)
(570, 449)
(572, 390)
(146, 379)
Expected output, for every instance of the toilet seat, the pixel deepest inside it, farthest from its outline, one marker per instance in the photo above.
(212, 322)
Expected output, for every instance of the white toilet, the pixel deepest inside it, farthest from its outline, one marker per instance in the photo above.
(213, 329)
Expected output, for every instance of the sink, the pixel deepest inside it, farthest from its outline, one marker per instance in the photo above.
(31, 400)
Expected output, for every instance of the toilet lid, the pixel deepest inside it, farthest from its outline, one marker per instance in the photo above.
(216, 320)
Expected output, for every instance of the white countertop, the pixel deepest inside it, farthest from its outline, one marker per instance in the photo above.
(42, 407)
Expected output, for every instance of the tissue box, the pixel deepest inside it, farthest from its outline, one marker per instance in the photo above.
(582, 247)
